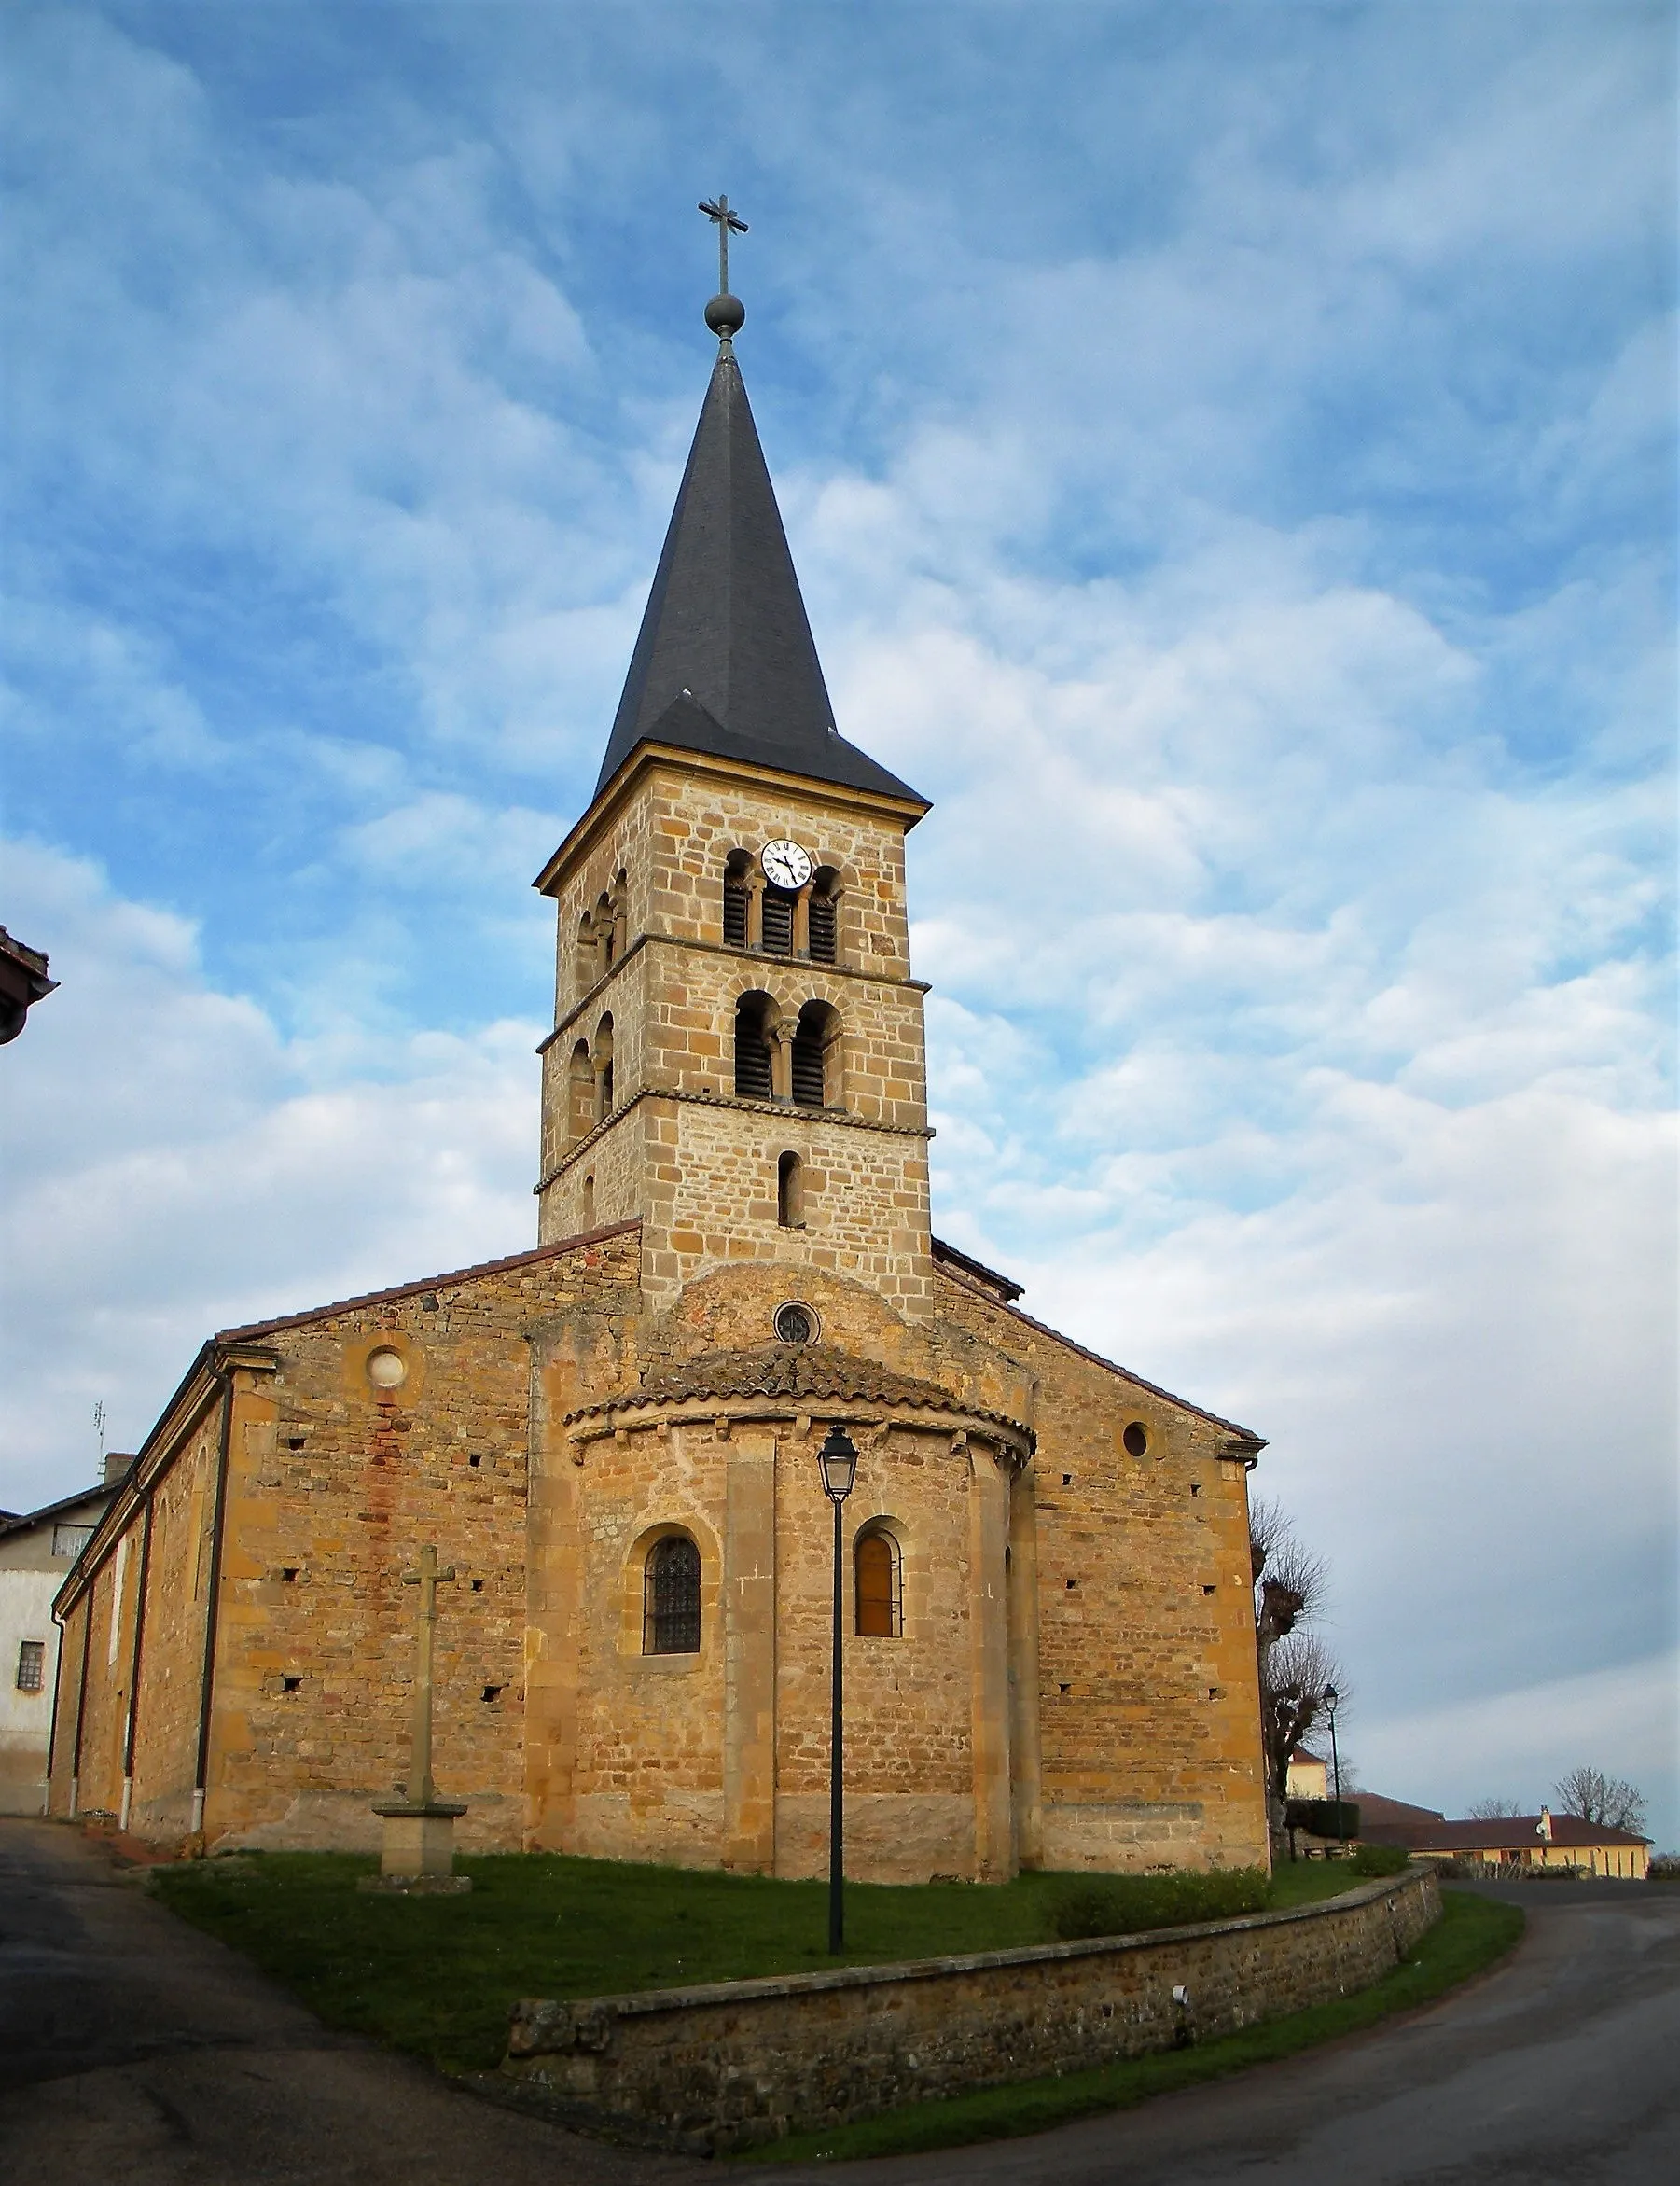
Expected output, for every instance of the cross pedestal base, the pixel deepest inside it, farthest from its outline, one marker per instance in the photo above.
(417, 1850)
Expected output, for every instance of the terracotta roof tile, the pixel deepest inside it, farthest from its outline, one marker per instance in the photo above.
(424, 1283)
(815, 1372)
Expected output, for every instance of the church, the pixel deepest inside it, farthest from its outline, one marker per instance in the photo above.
(611, 1438)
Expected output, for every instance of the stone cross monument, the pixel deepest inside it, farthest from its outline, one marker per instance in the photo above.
(418, 1852)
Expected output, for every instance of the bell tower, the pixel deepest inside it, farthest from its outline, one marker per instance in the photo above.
(737, 1053)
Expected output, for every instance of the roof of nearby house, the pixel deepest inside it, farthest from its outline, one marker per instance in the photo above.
(725, 661)
(17, 1523)
(1375, 1812)
(1513, 1833)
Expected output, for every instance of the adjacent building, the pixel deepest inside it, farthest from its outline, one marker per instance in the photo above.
(37, 1549)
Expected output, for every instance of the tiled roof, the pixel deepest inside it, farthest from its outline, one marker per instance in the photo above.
(725, 661)
(1515, 1833)
(423, 1283)
(813, 1373)
(15, 1522)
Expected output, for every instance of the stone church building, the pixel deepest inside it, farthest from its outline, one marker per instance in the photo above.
(612, 1438)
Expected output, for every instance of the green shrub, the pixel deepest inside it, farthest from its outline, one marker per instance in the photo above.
(1317, 1816)
(1121, 1904)
(1376, 1859)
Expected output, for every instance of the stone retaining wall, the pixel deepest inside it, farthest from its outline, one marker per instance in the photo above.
(724, 2066)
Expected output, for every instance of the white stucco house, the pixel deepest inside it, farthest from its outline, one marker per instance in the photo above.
(36, 1551)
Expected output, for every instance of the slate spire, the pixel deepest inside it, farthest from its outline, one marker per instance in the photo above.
(725, 661)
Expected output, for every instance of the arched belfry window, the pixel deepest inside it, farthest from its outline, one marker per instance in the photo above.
(824, 916)
(671, 1597)
(580, 1094)
(753, 1016)
(603, 1070)
(777, 911)
(737, 898)
(816, 1057)
(880, 1602)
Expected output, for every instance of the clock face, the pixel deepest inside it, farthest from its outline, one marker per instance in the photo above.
(787, 865)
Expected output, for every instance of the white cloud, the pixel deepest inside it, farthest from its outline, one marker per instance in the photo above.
(176, 1168)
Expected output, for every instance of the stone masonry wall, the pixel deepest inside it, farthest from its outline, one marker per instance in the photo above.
(739, 2064)
(1149, 1689)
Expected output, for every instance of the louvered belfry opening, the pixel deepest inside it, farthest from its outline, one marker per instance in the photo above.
(825, 929)
(778, 922)
(671, 1597)
(810, 1055)
(737, 897)
(753, 1081)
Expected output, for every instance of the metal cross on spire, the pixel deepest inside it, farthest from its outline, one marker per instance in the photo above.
(718, 209)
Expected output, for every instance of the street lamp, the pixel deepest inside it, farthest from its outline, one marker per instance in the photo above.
(1331, 1697)
(837, 1459)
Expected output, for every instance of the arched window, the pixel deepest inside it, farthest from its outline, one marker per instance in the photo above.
(880, 1609)
(588, 955)
(753, 1075)
(671, 1597)
(824, 916)
(580, 1093)
(737, 898)
(605, 926)
(603, 1070)
(588, 1202)
(790, 1192)
(816, 1057)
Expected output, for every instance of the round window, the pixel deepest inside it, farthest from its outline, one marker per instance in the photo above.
(387, 1369)
(1135, 1440)
(794, 1324)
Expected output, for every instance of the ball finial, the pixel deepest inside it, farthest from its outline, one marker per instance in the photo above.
(724, 315)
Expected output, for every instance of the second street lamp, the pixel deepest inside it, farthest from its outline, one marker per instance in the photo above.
(837, 1459)
(1331, 1697)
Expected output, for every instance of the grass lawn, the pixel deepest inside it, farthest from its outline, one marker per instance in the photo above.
(1471, 1935)
(436, 1975)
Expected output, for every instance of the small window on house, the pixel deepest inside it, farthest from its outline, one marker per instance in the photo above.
(753, 1075)
(1136, 1438)
(824, 913)
(790, 1192)
(604, 927)
(589, 1213)
(70, 1540)
(32, 1664)
(879, 1609)
(671, 1597)
(777, 912)
(812, 1041)
(736, 899)
(603, 1059)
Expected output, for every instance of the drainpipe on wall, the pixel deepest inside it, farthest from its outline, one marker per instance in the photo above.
(213, 1588)
(82, 1700)
(127, 1728)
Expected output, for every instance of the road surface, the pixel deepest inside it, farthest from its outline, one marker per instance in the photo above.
(135, 2052)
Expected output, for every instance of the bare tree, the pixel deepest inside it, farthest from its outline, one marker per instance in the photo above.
(1290, 1584)
(1493, 1809)
(1298, 1671)
(1598, 1797)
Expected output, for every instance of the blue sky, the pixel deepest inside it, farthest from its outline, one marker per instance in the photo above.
(1229, 454)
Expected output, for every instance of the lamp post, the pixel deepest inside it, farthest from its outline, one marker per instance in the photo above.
(1331, 1697)
(838, 1458)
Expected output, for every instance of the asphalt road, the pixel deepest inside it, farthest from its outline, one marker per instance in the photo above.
(134, 2052)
